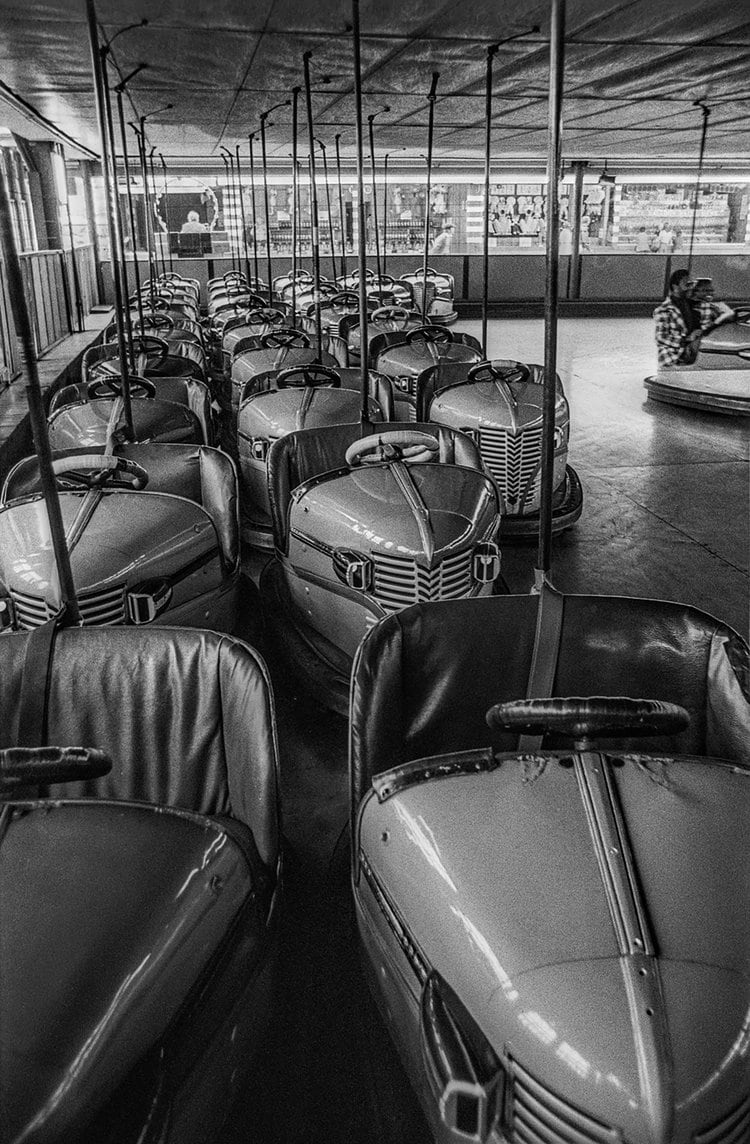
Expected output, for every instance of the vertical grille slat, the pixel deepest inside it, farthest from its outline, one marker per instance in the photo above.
(399, 581)
(105, 608)
(538, 1116)
(512, 461)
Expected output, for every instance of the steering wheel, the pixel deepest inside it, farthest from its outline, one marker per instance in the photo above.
(111, 386)
(487, 371)
(154, 322)
(345, 299)
(264, 316)
(580, 719)
(382, 297)
(407, 445)
(95, 470)
(310, 377)
(285, 336)
(155, 349)
(396, 317)
(438, 335)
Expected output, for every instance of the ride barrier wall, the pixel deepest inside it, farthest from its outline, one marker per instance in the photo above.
(519, 277)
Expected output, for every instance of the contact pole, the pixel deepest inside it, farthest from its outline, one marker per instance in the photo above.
(263, 118)
(112, 213)
(251, 139)
(341, 208)
(361, 237)
(370, 120)
(153, 184)
(313, 204)
(166, 212)
(129, 193)
(430, 133)
(139, 132)
(120, 240)
(242, 215)
(328, 207)
(556, 74)
(73, 259)
(705, 111)
(36, 405)
(295, 197)
(491, 52)
(226, 207)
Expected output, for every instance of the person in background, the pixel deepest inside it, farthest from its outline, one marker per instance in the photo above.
(442, 244)
(653, 240)
(681, 319)
(565, 243)
(666, 239)
(193, 224)
(642, 244)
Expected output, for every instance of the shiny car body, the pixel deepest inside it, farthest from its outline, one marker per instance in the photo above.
(279, 349)
(138, 931)
(553, 931)
(405, 354)
(440, 290)
(500, 404)
(356, 541)
(153, 534)
(279, 402)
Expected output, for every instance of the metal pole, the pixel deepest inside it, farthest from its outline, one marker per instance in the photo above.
(36, 405)
(295, 197)
(226, 204)
(313, 204)
(121, 265)
(361, 243)
(263, 118)
(385, 207)
(328, 206)
(575, 228)
(341, 209)
(146, 220)
(229, 201)
(74, 262)
(491, 52)
(556, 74)
(370, 119)
(430, 132)
(166, 213)
(242, 215)
(153, 184)
(705, 111)
(250, 140)
(112, 212)
(131, 211)
(235, 211)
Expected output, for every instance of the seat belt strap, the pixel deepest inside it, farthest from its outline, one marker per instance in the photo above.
(35, 685)
(549, 618)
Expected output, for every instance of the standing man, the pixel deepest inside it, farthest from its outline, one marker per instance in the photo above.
(442, 244)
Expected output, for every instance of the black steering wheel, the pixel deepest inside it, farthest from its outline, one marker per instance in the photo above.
(111, 386)
(95, 470)
(510, 374)
(345, 299)
(308, 377)
(408, 445)
(154, 322)
(264, 316)
(437, 335)
(283, 337)
(581, 719)
(154, 349)
(393, 317)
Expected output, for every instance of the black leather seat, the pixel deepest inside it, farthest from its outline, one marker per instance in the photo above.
(308, 453)
(425, 677)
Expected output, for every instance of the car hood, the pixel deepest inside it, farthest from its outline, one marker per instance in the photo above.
(729, 338)
(408, 360)
(496, 879)
(274, 414)
(85, 425)
(129, 537)
(489, 404)
(371, 508)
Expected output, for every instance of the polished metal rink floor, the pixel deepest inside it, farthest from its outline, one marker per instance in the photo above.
(665, 515)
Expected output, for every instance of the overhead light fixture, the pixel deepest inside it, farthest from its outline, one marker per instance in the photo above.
(605, 179)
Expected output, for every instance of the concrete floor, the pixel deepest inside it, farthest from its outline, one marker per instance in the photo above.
(665, 515)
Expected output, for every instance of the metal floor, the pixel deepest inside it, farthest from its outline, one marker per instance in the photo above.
(665, 515)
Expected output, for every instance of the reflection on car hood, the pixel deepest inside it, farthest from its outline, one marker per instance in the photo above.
(274, 414)
(497, 881)
(130, 537)
(408, 360)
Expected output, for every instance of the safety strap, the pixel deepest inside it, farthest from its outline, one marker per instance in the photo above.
(541, 682)
(35, 685)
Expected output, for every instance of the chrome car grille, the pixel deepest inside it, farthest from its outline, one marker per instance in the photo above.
(513, 461)
(399, 581)
(734, 1128)
(105, 606)
(537, 1116)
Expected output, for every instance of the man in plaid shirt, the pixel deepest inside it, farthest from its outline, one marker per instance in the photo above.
(682, 319)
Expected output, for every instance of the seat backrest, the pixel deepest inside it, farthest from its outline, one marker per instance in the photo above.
(186, 716)
(219, 497)
(425, 677)
(308, 453)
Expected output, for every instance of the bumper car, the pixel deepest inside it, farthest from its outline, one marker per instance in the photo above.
(364, 526)
(387, 319)
(499, 403)
(281, 348)
(403, 355)
(252, 324)
(153, 532)
(718, 381)
(139, 926)
(440, 290)
(546, 889)
(274, 404)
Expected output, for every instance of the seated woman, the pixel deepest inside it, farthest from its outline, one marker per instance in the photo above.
(193, 225)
